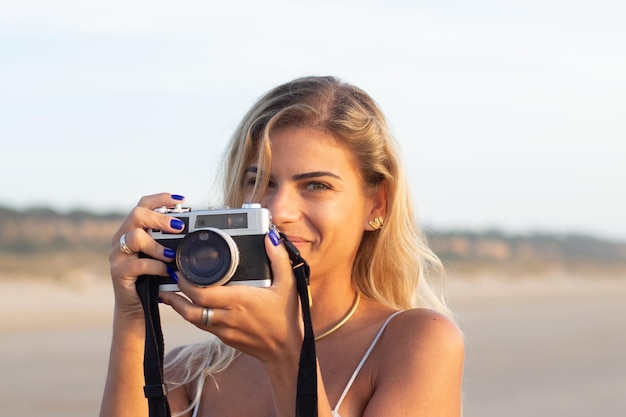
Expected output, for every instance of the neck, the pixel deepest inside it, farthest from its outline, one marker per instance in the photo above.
(343, 320)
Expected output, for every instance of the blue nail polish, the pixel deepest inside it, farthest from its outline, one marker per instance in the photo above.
(172, 274)
(177, 224)
(169, 253)
(178, 197)
(274, 237)
(159, 300)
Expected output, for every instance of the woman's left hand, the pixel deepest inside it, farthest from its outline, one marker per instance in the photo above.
(265, 323)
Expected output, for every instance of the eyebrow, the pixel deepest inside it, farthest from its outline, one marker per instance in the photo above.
(303, 176)
(315, 174)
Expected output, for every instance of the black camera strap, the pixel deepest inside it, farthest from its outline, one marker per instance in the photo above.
(155, 389)
(306, 397)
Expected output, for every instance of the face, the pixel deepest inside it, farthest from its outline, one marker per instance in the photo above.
(316, 198)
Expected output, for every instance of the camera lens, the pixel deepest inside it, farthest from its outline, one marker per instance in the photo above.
(207, 257)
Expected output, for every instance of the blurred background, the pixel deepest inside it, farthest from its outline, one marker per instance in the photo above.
(509, 114)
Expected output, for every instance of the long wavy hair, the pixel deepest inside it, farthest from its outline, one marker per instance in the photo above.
(394, 265)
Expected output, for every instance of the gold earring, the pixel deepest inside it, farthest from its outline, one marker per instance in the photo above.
(377, 223)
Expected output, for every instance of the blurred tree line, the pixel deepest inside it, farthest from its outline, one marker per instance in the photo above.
(38, 230)
(28, 236)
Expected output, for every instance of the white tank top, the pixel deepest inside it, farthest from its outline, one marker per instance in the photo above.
(360, 365)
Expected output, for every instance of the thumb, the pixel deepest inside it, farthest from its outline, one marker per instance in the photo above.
(279, 258)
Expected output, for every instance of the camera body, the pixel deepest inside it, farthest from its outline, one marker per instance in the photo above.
(218, 247)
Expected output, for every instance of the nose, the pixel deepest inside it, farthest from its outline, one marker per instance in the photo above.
(283, 204)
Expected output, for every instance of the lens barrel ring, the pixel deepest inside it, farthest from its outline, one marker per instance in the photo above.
(207, 257)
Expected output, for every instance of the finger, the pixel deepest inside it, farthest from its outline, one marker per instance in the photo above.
(188, 310)
(282, 270)
(218, 296)
(139, 240)
(159, 200)
(126, 266)
(143, 215)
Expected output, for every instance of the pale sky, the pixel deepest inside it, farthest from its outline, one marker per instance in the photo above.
(511, 114)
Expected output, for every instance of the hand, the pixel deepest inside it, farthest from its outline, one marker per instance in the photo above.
(125, 267)
(265, 323)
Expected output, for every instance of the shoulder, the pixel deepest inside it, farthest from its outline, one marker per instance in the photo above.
(180, 391)
(417, 323)
(418, 366)
(419, 336)
(179, 357)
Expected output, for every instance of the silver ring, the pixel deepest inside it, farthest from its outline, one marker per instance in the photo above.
(207, 316)
(123, 246)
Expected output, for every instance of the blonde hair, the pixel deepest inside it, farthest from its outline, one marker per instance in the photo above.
(394, 265)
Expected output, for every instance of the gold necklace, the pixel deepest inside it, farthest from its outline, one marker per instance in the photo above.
(343, 321)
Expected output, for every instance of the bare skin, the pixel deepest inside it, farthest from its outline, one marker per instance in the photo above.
(317, 199)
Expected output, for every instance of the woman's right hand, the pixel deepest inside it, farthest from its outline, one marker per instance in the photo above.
(126, 267)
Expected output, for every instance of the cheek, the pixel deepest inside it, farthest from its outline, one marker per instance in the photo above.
(267, 201)
(340, 224)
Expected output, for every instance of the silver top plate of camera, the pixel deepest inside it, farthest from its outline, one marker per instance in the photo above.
(248, 220)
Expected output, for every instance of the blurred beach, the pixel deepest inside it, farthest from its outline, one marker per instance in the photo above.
(549, 346)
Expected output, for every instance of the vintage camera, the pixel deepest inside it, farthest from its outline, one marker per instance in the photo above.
(218, 247)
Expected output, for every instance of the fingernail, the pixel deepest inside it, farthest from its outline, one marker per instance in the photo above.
(169, 253)
(178, 197)
(172, 274)
(274, 237)
(159, 300)
(177, 224)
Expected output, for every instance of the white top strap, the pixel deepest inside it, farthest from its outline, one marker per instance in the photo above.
(360, 365)
(198, 395)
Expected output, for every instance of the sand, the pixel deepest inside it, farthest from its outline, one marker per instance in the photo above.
(544, 348)
(535, 347)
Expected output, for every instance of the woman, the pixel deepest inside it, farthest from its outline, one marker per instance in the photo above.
(318, 154)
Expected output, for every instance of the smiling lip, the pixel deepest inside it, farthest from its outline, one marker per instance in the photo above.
(297, 241)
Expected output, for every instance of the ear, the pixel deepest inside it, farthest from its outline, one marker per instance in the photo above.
(377, 207)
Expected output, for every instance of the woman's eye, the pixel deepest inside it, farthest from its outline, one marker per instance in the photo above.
(252, 181)
(316, 186)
